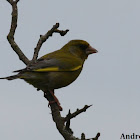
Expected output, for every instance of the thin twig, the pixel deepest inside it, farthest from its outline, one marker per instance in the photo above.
(68, 124)
(77, 112)
(61, 32)
(11, 34)
(96, 138)
(83, 137)
(43, 38)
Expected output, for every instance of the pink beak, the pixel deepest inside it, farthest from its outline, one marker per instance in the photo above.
(90, 50)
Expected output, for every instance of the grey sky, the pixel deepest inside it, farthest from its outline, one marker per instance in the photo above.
(110, 79)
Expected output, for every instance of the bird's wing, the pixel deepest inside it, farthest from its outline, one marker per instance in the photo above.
(59, 64)
(55, 64)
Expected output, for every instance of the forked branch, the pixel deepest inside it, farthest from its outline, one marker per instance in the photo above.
(62, 123)
(77, 112)
(43, 38)
(11, 34)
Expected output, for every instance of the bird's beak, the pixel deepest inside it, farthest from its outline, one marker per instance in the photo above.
(90, 50)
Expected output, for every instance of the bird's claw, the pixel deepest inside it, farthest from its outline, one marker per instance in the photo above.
(58, 104)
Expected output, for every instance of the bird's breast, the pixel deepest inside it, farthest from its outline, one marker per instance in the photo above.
(62, 79)
(50, 80)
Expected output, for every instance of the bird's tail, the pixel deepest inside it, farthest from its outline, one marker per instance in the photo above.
(11, 77)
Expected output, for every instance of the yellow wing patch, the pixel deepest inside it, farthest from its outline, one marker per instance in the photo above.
(47, 69)
(56, 69)
(76, 68)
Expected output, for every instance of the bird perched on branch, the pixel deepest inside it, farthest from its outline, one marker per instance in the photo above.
(57, 69)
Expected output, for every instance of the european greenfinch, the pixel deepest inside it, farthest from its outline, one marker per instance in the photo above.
(57, 69)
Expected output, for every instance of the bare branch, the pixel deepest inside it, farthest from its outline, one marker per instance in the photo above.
(77, 112)
(10, 1)
(96, 138)
(62, 124)
(60, 121)
(83, 137)
(68, 124)
(43, 38)
(17, 1)
(62, 33)
(10, 36)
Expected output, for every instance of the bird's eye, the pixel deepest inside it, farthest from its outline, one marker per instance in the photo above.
(83, 46)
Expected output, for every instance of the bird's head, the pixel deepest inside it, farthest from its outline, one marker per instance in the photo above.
(80, 48)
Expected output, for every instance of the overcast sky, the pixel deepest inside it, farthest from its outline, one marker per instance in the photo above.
(110, 80)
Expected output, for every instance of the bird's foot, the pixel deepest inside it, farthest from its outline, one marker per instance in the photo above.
(53, 100)
(58, 104)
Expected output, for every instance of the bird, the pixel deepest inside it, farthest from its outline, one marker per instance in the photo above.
(56, 69)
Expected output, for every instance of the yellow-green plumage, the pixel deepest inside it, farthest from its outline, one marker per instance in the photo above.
(57, 69)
